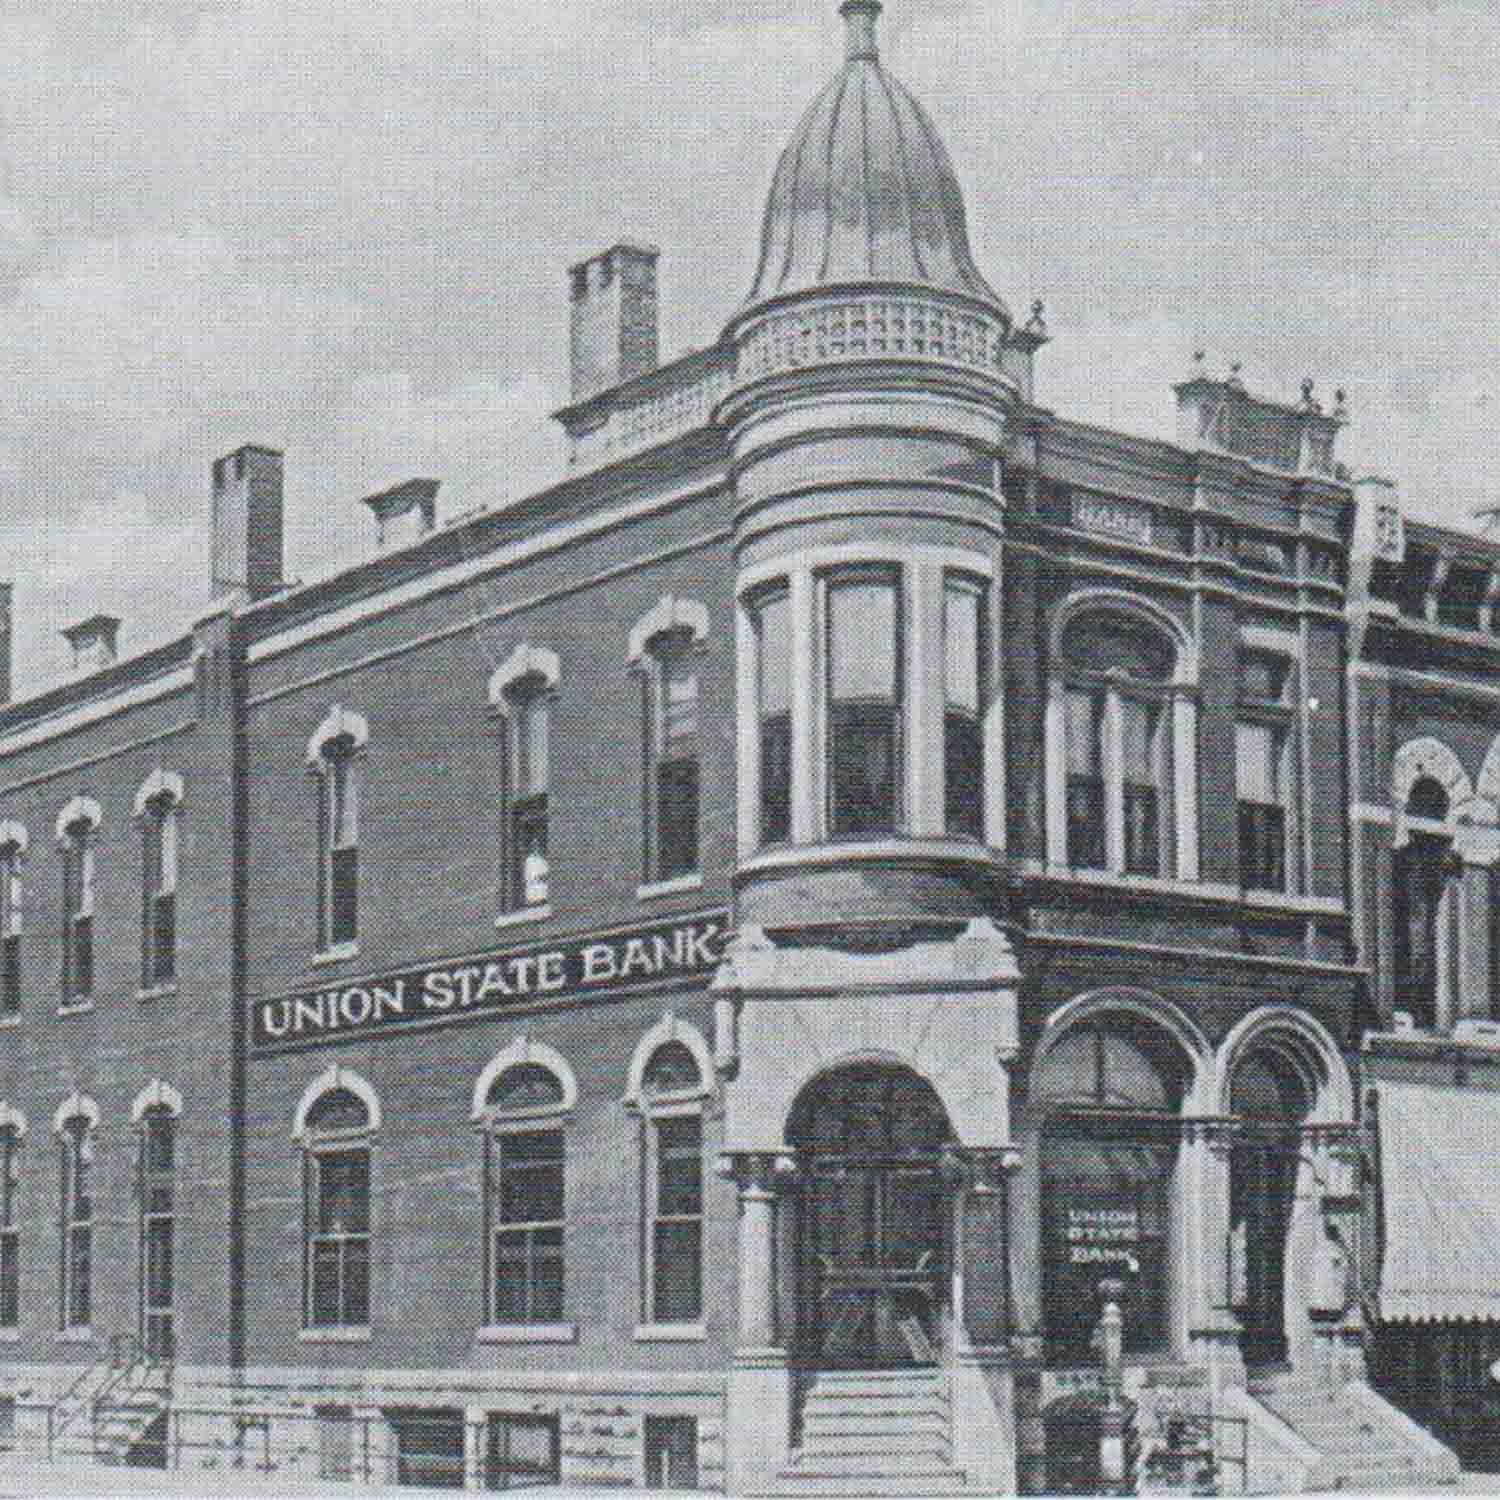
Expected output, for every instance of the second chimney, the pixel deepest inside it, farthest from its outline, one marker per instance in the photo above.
(247, 522)
(613, 324)
(406, 512)
(93, 642)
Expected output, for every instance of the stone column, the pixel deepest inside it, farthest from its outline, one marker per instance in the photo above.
(758, 1435)
(982, 1387)
(1214, 1331)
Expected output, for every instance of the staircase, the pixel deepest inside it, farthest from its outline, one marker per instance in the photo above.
(874, 1432)
(1360, 1441)
(108, 1408)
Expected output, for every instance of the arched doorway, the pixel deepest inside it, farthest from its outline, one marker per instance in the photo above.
(1110, 1090)
(1270, 1098)
(873, 1243)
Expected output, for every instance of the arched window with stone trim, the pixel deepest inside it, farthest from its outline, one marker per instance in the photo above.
(12, 1129)
(333, 758)
(1122, 772)
(1425, 892)
(13, 845)
(666, 649)
(522, 692)
(157, 809)
(74, 1126)
(335, 1124)
(155, 1114)
(1112, 1089)
(522, 1104)
(77, 835)
(671, 1077)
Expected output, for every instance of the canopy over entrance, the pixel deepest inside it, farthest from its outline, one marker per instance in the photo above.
(1440, 1178)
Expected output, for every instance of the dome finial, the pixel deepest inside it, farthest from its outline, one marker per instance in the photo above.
(859, 16)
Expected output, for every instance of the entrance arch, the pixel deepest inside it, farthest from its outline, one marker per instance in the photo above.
(874, 1231)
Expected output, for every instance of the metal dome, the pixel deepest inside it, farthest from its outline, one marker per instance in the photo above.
(864, 191)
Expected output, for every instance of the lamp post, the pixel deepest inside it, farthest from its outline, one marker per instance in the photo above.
(1111, 1340)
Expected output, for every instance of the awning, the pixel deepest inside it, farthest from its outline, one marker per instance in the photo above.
(1440, 1186)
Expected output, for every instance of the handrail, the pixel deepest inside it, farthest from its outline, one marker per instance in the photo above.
(73, 1394)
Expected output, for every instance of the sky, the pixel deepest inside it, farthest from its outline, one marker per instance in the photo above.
(342, 227)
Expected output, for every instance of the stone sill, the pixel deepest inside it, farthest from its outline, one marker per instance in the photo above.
(157, 991)
(76, 1008)
(75, 1336)
(528, 1333)
(670, 1333)
(337, 954)
(523, 914)
(677, 884)
(353, 1333)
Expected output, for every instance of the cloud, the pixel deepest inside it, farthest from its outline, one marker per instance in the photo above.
(344, 229)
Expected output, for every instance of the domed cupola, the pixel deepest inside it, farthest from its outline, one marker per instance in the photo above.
(864, 192)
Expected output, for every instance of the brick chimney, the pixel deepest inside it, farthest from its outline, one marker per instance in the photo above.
(614, 318)
(247, 522)
(406, 512)
(93, 642)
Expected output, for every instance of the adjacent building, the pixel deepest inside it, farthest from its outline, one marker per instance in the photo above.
(695, 977)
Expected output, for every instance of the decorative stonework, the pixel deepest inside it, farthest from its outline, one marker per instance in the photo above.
(836, 329)
(631, 428)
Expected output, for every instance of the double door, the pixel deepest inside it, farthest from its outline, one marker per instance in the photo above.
(873, 1260)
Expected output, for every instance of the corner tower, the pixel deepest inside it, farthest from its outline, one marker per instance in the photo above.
(868, 997)
(876, 373)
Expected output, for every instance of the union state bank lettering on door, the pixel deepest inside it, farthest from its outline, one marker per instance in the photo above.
(608, 963)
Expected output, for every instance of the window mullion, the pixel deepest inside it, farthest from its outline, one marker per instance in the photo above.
(1113, 768)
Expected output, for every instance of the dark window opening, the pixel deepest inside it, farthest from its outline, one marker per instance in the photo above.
(864, 729)
(338, 1237)
(526, 1195)
(522, 1451)
(671, 757)
(671, 1453)
(1423, 871)
(429, 1447)
(677, 1225)
(1262, 834)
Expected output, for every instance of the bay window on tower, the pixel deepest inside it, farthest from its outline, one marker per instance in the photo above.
(772, 615)
(965, 668)
(866, 704)
(863, 728)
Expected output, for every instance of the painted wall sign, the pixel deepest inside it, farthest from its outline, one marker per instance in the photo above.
(593, 964)
(1116, 518)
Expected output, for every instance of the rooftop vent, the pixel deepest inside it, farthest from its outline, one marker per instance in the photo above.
(406, 512)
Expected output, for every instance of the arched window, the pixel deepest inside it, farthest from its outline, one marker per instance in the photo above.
(12, 1128)
(522, 693)
(522, 1109)
(155, 1113)
(77, 831)
(335, 1128)
(666, 648)
(157, 809)
(13, 843)
(158, 1159)
(1426, 898)
(1117, 672)
(1111, 1088)
(669, 1084)
(75, 1134)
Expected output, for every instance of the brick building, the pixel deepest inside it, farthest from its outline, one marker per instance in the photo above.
(696, 976)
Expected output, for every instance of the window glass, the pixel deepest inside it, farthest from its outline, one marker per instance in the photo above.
(963, 745)
(1138, 723)
(773, 617)
(1259, 771)
(862, 641)
(1098, 643)
(527, 1086)
(961, 653)
(774, 655)
(1085, 734)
